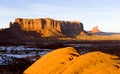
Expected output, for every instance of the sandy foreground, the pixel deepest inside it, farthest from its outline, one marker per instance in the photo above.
(68, 61)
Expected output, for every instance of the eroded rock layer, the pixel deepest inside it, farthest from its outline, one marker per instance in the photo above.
(49, 27)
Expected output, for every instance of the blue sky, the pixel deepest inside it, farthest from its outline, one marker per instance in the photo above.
(104, 13)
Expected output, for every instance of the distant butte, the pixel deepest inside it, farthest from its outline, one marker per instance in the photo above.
(95, 29)
(42, 27)
(50, 27)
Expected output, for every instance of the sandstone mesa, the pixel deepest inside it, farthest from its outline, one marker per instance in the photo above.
(23, 28)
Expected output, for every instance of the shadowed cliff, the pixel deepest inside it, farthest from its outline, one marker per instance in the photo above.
(50, 27)
(16, 33)
(23, 28)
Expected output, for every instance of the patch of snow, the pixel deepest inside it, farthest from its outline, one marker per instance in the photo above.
(20, 52)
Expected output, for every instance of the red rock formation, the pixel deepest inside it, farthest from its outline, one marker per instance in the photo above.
(69, 61)
(49, 27)
(30, 29)
(0, 29)
(95, 29)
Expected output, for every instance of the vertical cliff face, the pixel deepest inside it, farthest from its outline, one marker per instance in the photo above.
(71, 28)
(49, 27)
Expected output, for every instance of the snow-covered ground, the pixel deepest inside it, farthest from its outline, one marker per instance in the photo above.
(18, 48)
(80, 45)
(19, 52)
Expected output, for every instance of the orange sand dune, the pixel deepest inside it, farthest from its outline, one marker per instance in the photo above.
(69, 61)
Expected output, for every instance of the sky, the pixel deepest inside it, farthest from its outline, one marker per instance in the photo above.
(102, 13)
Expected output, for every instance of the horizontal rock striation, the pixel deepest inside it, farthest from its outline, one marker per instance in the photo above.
(23, 29)
(49, 27)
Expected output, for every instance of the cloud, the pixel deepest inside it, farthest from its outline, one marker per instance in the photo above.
(88, 14)
(40, 9)
(35, 9)
(5, 11)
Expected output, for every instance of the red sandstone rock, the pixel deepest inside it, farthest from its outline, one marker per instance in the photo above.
(95, 29)
(69, 61)
(50, 27)
(30, 29)
(0, 29)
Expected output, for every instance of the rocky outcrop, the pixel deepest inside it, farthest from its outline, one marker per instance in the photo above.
(95, 29)
(33, 29)
(0, 29)
(69, 61)
(49, 27)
